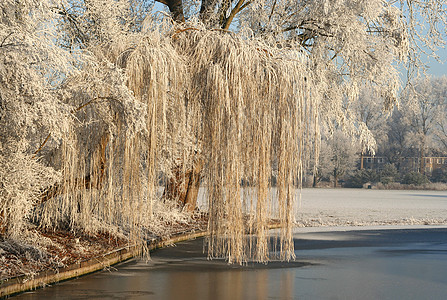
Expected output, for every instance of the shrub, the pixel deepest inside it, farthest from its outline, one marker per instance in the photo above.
(360, 177)
(415, 178)
(438, 186)
(439, 175)
(388, 174)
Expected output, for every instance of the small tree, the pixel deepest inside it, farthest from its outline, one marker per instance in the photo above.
(439, 175)
(415, 178)
(388, 174)
(338, 156)
(440, 94)
(360, 177)
(395, 145)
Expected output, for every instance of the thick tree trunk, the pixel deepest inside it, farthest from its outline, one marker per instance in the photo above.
(207, 10)
(3, 226)
(192, 193)
(184, 187)
(176, 9)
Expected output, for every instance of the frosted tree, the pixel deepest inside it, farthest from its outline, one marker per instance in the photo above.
(45, 100)
(369, 110)
(225, 92)
(394, 146)
(423, 107)
(440, 92)
(339, 155)
(28, 105)
(345, 45)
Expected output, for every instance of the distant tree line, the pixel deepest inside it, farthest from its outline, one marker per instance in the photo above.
(407, 139)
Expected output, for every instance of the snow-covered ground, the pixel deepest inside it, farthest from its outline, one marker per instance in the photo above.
(363, 207)
(360, 207)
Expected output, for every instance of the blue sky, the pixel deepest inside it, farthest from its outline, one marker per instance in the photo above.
(434, 67)
(438, 69)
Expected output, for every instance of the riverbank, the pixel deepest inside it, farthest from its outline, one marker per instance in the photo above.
(69, 256)
(385, 262)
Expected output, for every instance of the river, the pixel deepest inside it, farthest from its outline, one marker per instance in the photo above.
(353, 262)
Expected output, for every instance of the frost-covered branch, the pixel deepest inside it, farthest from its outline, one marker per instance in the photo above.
(186, 100)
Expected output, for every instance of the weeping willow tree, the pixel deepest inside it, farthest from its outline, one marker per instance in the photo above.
(104, 97)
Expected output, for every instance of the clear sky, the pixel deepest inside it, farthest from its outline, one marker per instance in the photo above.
(436, 68)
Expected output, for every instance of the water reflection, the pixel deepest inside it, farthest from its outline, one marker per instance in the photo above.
(234, 285)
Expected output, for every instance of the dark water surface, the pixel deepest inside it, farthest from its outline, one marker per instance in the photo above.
(368, 264)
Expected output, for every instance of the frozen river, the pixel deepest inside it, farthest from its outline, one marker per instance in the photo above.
(372, 262)
(333, 264)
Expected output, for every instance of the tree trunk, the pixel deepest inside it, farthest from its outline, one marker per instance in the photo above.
(190, 202)
(335, 178)
(3, 226)
(422, 162)
(184, 186)
(207, 10)
(176, 9)
(315, 181)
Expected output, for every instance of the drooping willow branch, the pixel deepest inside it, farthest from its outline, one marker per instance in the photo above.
(87, 182)
(74, 111)
(2, 44)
